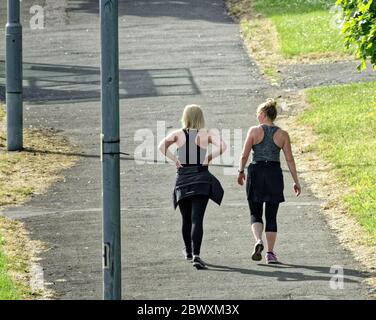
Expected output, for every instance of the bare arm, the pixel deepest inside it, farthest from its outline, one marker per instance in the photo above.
(249, 141)
(220, 145)
(165, 144)
(246, 150)
(291, 163)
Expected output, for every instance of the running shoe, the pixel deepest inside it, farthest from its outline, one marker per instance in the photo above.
(256, 254)
(271, 258)
(198, 263)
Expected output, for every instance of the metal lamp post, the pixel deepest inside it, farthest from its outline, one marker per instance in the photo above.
(13, 70)
(110, 141)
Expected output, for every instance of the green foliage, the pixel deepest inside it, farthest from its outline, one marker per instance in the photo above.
(360, 28)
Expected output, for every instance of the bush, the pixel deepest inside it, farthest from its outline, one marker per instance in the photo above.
(360, 28)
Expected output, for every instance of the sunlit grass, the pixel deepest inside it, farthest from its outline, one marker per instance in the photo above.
(344, 118)
(23, 174)
(303, 26)
(8, 288)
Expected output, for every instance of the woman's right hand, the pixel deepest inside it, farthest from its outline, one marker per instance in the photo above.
(178, 164)
(241, 178)
(297, 189)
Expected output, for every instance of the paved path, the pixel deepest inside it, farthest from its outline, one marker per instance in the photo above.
(171, 53)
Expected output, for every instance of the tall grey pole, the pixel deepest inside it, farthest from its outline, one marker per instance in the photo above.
(13, 70)
(110, 140)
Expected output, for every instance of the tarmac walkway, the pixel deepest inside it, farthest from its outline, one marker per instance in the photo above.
(172, 53)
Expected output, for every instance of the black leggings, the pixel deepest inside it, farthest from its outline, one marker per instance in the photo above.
(271, 210)
(192, 210)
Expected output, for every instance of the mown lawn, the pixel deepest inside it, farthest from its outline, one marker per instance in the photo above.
(8, 289)
(303, 26)
(344, 118)
(31, 171)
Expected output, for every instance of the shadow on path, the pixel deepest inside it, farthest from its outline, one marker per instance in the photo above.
(52, 83)
(278, 271)
(127, 157)
(182, 9)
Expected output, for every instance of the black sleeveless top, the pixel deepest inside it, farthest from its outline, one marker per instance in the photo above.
(190, 154)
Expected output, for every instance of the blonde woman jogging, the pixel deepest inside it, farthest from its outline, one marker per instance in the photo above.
(265, 180)
(195, 185)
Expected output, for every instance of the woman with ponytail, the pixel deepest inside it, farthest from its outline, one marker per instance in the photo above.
(265, 180)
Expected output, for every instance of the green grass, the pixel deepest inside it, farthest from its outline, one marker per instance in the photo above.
(8, 289)
(303, 26)
(25, 191)
(344, 118)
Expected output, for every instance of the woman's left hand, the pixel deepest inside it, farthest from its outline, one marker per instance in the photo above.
(207, 160)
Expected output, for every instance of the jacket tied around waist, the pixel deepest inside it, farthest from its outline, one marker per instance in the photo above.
(196, 180)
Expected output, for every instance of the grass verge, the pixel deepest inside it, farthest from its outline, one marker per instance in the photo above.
(280, 32)
(304, 27)
(8, 291)
(332, 130)
(17, 253)
(344, 118)
(23, 175)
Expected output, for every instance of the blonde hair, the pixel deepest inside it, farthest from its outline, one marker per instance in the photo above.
(193, 117)
(269, 108)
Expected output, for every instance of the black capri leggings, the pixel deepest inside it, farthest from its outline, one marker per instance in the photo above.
(271, 210)
(192, 210)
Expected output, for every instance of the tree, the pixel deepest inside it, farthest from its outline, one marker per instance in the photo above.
(359, 28)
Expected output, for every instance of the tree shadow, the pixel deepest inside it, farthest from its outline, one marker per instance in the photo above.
(205, 10)
(123, 156)
(71, 11)
(52, 83)
(280, 273)
(209, 10)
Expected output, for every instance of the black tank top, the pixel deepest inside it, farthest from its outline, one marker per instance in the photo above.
(266, 150)
(190, 154)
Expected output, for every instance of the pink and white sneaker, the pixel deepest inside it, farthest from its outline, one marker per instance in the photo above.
(271, 258)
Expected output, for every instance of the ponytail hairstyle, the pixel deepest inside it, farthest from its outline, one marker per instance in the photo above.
(269, 108)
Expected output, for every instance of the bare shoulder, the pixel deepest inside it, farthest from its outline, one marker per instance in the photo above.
(175, 134)
(282, 133)
(210, 132)
(282, 137)
(255, 129)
